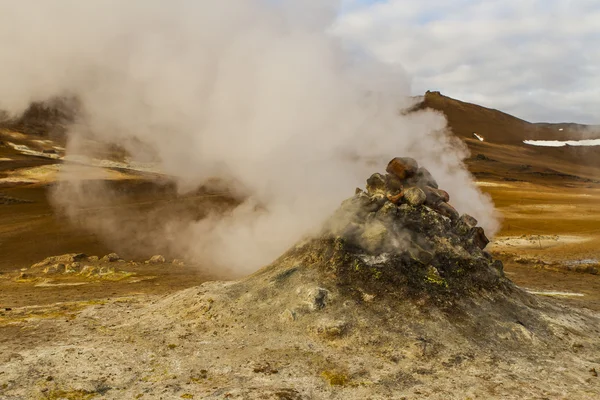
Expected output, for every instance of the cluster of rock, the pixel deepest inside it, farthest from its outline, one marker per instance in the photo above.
(8, 200)
(403, 222)
(79, 264)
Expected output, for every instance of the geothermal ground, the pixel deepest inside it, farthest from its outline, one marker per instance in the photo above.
(141, 323)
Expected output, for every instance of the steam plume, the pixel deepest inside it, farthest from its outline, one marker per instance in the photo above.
(253, 90)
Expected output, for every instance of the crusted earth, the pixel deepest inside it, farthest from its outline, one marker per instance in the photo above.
(395, 299)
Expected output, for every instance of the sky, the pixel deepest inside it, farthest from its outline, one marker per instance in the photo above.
(536, 59)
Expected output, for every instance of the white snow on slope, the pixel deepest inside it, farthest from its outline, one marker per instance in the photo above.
(561, 143)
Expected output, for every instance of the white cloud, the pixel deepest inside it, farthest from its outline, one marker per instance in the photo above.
(535, 59)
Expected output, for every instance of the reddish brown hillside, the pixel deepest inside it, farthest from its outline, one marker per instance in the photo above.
(503, 137)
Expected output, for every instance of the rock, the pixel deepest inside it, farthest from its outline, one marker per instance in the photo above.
(63, 259)
(464, 224)
(498, 266)
(414, 196)
(387, 212)
(93, 258)
(288, 316)
(317, 298)
(478, 237)
(55, 269)
(402, 167)
(374, 236)
(424, 178)
(368, 203)
(417, 254)
(106, 271)
(112, 257)
(376, 184)
(331, 329)
(393, 183)
(157, 259)
(24, 276)
(446, 210)
(435, 196)
(178, 263)
(394, 197)
(88, 270)
(73, 267)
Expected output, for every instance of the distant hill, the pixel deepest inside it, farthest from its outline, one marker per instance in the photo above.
(495, 126)
(502, 153)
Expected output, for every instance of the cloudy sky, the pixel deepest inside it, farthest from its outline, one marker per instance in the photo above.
(536, 59)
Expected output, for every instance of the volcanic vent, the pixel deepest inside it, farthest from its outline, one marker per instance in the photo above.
(403, 235)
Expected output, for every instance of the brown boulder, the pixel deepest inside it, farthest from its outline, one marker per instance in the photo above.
(446, 210)
(395, 197)
(479, 238)
(402, 167)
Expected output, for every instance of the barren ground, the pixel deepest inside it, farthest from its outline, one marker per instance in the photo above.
(549, 243)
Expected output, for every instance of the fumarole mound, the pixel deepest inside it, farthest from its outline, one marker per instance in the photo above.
(402, 236)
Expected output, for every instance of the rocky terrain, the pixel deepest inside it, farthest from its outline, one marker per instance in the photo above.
(396, 298)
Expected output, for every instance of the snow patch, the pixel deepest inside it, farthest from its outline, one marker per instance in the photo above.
(562, 143)
(31, 152)
(555, 294)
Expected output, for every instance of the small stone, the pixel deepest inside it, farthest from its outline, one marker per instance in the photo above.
(464, 224)
(415, 196)
(417, 253)
(435, 196)
(395, 196)
(446, 210)
(376, 184)
(55, 269)
(23, 276)
(318, 298)
(424, 178)
(332, 329)
(112, 257)
(498, 266)
(178, 263)
(88, 270)
(288, 316)
(106, 271)
(73, 267)
(393, 183)
(479, 238)
(387, 212)
(157, 259)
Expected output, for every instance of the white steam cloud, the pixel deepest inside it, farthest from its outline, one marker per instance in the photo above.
(252, 90)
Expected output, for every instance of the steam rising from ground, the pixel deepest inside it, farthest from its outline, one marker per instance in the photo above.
(251, 90)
